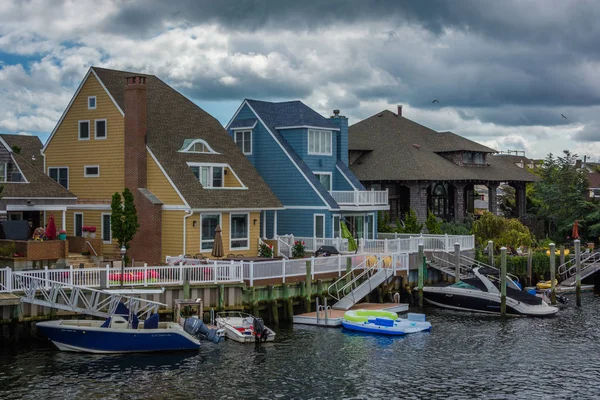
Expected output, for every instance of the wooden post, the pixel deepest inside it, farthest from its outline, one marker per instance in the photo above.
(221, 297)
(307, 298)
(273, 306)
(254, 302)
(186, 283)
(456, 262)
(503, 281)
(578, 272)
(289, 305)
(529, 267)
(491, 253)
(348, 268)
(562, 254)
(552, 273)
(420, 266)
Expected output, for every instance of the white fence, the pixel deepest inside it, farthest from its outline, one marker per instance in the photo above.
(197, 272)
(360, 197)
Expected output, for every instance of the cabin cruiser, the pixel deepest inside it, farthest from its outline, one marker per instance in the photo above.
(480, 292)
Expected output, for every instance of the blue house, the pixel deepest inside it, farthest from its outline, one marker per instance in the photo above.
(303, 157)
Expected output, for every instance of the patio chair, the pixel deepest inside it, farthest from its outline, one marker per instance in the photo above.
(198, 256)
(188, 256)
(240, 256)
(230, 255)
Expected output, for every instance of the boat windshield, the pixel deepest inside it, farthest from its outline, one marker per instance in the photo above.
(463, 285)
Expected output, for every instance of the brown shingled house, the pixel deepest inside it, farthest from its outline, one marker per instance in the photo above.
(125, 129)
(428, 170)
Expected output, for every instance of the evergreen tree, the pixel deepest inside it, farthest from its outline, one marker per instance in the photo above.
(123, 219)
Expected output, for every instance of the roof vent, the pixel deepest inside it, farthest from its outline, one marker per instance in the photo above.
(380, 115)
(416, 146)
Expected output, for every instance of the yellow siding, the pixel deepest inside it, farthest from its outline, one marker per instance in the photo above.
(172, 233)
(230, 179)
(159, 185)
(90, 218)
(66, 150)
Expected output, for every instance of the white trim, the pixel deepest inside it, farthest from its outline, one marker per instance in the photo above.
(167, 176)
(96, 129)
(236, 210)
(333, 217)
(243, 132)
(79, 129)
(186, 216)
(19, 168)
(38, 197)
(75, 223)
(194, 141)
(222, 165)
(320, 132)
(68, 175)
(95, 103)
(219, 224)
(307, 127)
(330, 178)
(22, 207)
(280, 145)
(89, 207)
(310, 208)
(275, 224)
(107, 92)
(5, 178)
(85, 173)
(345, 177)
(247, 214)
(102, 229)
(244, 128)
(5, 144)
(365, 208)
(315, 226)
(173, 207)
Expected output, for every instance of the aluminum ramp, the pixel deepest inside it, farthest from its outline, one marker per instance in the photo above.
(586, 270)
(79, 299)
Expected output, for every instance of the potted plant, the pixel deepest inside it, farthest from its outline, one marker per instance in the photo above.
(62, 235)
(265, 250)
(92, 231)
(298, 249)
(84, 231)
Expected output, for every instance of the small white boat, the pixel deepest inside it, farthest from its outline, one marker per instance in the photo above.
(384, 322)
(244, 327)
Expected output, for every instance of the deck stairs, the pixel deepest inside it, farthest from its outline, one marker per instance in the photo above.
(590, 264)
(356, 284)
(77, 259)
(79, 299)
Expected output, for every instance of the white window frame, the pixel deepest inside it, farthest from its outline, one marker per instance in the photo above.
(247, 214)
(196, 164)
(102, 215)
(211, 240)
(320, 152)
(95, 102)
(189, 146)
(96, 129)
(243, 132)
(315, 226)
(85, 173)
(79, 129)
(58, 181)
(75, 223)
(330, 179)
(5, 177)
(333, 218)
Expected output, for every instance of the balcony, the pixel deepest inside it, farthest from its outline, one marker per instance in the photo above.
(361, 199)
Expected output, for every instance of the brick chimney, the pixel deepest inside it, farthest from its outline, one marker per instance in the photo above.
(135, 132)
(399, 110)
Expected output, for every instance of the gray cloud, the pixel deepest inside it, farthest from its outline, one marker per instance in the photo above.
(590, 133)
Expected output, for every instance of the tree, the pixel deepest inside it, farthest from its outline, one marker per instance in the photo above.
(433, 224)
(507, 202)
(509, 232)
(123, 219)
(411, 223)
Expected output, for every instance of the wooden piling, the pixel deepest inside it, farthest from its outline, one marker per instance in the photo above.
(562, 254)
(274, 314)
(186, 284)
(491, 253)
(529, 267)
(421, 265)
(221, 297)
(308, 292)
(578, 272)
(289, 305)
(254, 302)
(348, 269)
(552, 273)
(456, 262)
(503, 281)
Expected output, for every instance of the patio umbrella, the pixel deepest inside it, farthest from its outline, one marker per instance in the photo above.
(352, 246)
(217, 250)
(575, 234)
(51, 228)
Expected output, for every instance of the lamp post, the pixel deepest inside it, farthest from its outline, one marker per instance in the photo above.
(123, 252)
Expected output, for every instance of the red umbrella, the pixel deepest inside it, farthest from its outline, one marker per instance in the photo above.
(51, 228)
(575, 234)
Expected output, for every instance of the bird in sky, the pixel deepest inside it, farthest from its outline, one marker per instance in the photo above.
(563, 115)
(435, 101)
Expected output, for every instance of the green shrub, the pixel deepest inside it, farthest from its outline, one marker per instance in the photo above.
(503, 231)
(433, 224)
(411, 223)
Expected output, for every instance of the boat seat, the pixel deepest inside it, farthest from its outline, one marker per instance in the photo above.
(106, 323)
(151, 322)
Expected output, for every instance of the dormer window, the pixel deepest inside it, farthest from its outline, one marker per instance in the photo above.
(469, 157)
(319, 142)
(210, 176)
(196, 146)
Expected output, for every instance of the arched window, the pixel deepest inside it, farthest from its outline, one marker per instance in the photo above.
(197, 146)
(439, 201)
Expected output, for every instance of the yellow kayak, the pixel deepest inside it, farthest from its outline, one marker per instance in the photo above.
(546, 284)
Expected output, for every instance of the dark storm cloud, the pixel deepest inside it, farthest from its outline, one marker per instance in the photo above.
(590, 133)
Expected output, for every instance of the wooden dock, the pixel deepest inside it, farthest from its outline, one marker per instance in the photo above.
(334, 317)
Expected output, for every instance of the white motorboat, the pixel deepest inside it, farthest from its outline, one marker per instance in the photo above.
(244, 327)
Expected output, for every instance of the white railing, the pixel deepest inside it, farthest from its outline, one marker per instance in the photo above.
(360, 197)
(313, 244)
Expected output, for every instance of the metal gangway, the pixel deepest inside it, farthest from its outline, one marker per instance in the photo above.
(589, 264)
(79, 299)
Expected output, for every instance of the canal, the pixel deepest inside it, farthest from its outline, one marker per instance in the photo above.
(465, 356)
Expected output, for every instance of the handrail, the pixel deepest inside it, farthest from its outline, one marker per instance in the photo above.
(354, 279)
(567, 272)
(482, 264)
(92, 247)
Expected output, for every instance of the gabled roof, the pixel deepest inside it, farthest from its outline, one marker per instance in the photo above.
(172, 118)
(30, 148)
(398, 149)
(289, 114)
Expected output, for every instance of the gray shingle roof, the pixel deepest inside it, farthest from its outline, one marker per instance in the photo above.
(30, 148)
(289, 113)
(398, 149)
(172, 118)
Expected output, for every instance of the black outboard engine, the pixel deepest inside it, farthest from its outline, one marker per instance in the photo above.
(260, 332)
(197, 328)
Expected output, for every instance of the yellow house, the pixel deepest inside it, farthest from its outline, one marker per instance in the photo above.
(123, 129)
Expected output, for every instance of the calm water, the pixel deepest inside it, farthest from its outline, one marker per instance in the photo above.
(465, 356)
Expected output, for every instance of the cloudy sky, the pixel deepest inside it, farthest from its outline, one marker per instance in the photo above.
(503, 71)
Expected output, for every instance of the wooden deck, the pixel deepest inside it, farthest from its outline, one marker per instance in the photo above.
(334, 317)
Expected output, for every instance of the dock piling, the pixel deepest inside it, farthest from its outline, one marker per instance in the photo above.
(421, 263)
(308, 293)
(491, 253)
(221, 297)
(289, 305)
(529, 267)
(578, 272)
(456, 262)
(552, 273)
(273, 306)
(562, 254)
(503, 281)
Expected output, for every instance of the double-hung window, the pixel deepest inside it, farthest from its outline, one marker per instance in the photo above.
(240, 231)
(325, 179)
(60, 175)
(3, 172)
(91, 171)
(100, 129)
(319, 225)
(106, 233)
(244, 141)
(209, 225)
(336, 226)
(84, 130)
(319, 142)
(92, 103)
(209, 176)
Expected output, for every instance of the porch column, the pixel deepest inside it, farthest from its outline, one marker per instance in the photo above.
(493, 197)
(64, 219)
(275, 224)
(459, 201)
(418, 199)
(521, 198)
(264, 223)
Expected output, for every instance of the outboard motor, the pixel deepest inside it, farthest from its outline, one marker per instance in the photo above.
(260, 332)
(197, 328)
